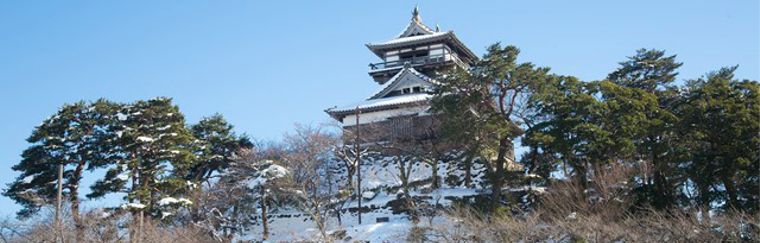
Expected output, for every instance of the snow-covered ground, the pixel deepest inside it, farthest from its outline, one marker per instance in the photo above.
(381, 185)
(291, 225)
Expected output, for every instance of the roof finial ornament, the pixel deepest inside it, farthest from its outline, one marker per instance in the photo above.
(416, 15)
(437, 28)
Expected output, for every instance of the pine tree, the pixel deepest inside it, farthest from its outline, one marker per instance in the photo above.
(648, 70)
(720, 120)
(219, 146)
(653, 72)
(74, 137)
(585, 126)
(151, 147)
(494, 94)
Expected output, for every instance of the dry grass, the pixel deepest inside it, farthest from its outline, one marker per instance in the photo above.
(99, 227)
(598, 213)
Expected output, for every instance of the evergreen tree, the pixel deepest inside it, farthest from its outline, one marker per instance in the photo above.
(648, 70)
(492, 95)
(150, 146)
(653, 72)
(73, 137)
(585, 126)
(720, 120)
(219, 146)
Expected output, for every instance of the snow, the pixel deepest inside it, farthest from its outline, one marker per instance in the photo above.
(144, 139)
(271, 172)
(411, 39)
(170, 200)
(123, 177)
(121, 116)
(394, 100)
(166, 134)
(28, 179)
(190, 184)
(164, 128)
(133, 205)
(380, 185)
(397, 77)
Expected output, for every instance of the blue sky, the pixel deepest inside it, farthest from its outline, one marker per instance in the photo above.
(268, 65)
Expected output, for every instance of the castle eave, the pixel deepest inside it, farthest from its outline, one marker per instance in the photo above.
(380, 104)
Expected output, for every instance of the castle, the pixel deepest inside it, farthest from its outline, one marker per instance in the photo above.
(411, 62)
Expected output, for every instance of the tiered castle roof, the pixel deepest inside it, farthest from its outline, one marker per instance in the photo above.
(408, 86)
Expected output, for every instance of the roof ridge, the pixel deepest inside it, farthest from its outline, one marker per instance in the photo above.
(416, 22)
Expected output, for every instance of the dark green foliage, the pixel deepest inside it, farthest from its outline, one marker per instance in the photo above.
(696, 146)
(484, 108)
(720, 122)
(653, 72)
(74, 137)
(150, 146)
(647, 70)
(585, 125)
(219, 144)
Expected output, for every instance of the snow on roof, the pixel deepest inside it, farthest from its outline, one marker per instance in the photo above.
(396, 78)
(414, 27)
(410, 39)
(378, 48)
(389, 101)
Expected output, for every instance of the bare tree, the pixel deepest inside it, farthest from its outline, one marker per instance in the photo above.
(435, 146)
(308, 154)
(404, 144)
(227, 207)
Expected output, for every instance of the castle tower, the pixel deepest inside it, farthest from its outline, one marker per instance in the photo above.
(410, 64)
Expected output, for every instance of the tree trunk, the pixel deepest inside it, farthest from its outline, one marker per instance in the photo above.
(230, 235)
(434, 164)
(321, 225)
(505, 144)
(133, 233)
(662, 198)
(350, 178)
(338, 215)
(733, 201)
(404, 176)
(704, 202)
(74, 200)
(264, 219)
(468, 171)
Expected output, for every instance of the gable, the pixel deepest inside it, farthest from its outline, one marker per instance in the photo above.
(415, 29)
(405, 81)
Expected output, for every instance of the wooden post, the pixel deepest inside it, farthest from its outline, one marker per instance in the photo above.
(59, 235)
(264, 223)
(357, 157)
(139, 231)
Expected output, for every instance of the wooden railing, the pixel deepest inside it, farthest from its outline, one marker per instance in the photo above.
(413, 61)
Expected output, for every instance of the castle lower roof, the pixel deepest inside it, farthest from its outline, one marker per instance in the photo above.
(381, 104)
